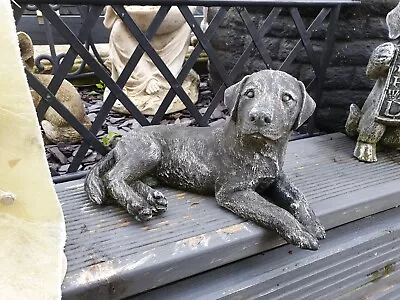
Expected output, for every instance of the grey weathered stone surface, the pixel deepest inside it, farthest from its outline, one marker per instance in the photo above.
(379, 118)
(360, 30)
(239, 161)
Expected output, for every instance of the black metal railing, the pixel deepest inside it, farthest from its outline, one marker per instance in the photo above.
(80, 42)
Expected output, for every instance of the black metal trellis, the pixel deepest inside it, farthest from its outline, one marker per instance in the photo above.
(57, 106)
(217, 20)
(137, 54)
(208, 3)
(80, 46)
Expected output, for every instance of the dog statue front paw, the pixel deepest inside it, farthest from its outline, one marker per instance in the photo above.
(301, 238)
(315, 228)
(302, 211)
(319, 230)
(365, 152)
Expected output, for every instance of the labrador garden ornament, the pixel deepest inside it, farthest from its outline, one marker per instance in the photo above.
(379, 118)
(240, 161)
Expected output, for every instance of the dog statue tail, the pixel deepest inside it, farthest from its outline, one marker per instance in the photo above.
(94, 185)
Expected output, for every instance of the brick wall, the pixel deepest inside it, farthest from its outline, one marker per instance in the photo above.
(361, 28)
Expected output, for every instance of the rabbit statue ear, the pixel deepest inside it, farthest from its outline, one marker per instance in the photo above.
(393, 22)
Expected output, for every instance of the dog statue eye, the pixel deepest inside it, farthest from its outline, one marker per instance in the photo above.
(249, 93)
(286, 97)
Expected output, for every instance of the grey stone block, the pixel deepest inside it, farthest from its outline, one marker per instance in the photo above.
(340, 78)
(353, 53)
(343, 98)
(331, 119)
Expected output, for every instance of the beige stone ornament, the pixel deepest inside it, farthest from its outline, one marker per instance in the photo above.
(55, 127)
(146, 87)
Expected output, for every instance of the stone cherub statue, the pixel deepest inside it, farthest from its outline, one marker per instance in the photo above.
(379, 118)
(146, 86)
(55, 128)
(239, 161)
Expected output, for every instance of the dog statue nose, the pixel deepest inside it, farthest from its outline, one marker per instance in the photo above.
(260, 118)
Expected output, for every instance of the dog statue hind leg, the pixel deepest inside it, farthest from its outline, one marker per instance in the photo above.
(121, 182)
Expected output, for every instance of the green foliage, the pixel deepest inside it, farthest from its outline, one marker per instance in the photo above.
(101, 86)
(108, 138)
(381, 273)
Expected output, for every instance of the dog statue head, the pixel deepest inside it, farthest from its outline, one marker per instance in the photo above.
(268, 104)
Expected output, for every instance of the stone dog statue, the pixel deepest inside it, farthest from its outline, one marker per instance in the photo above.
(240, 161)
(379, 118)
(56, 129)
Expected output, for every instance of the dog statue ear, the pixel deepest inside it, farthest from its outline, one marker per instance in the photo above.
(307, 107)
(232, 96)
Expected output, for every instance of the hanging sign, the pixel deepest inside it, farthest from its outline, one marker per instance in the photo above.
(389, 103)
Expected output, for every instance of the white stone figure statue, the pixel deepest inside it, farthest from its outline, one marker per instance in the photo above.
(146, 86)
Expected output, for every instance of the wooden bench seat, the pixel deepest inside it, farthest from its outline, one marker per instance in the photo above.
(359, 260)
(110, 256)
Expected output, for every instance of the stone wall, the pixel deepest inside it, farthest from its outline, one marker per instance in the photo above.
(361, 28)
